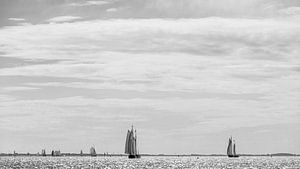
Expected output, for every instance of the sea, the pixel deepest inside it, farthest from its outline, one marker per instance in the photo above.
(36, 162)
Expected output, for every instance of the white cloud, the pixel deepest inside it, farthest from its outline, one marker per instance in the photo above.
(174, 54)
(290, 11)
(19, 88)
(111, 10)
(16, 19)
(177, 55)
(208, 75)
(60, 19)
(204, 8)
(89, 3)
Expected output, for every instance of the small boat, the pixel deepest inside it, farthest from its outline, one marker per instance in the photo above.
(231, 149)
(93, 152)
(131, 144)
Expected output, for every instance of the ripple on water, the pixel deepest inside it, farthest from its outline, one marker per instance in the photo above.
(149, 163)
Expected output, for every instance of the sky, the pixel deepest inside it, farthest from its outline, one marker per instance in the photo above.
(187, 75)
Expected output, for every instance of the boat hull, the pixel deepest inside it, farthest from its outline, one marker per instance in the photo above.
(134, 156)
(233, 156)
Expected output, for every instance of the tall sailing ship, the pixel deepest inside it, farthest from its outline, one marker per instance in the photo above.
(131, 144)
(93, 152)
(231, 148)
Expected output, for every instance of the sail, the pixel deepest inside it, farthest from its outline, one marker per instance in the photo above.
(133, 145)
(229, 148)
(93, 151)
(131, 142)
(135, 138)
(128, 146)
(127, 142)
(234, 153)
(43, 152)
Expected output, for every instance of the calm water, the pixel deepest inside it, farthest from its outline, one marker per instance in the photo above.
(150, 162)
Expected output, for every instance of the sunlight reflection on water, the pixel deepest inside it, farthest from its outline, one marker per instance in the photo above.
(149, 163)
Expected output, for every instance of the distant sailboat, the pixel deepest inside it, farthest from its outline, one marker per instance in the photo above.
(231, 149)
(93, 152)
(43, 152)
(131, 144)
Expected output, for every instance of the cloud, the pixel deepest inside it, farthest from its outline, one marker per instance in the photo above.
(38, 10)
(209, 75)
(16, 19)
(111, 10)
(163, 55)
(290, 11)
(203, 8)
(6, 62)
(89, 3)
(61, 19)
(20, 88)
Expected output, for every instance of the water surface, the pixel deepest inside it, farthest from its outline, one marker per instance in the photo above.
(150, 163)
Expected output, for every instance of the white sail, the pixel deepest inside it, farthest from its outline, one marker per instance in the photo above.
(43, 152)
(127, 142)
(234, 153)
(229, 148)
(135, 149)
(131, 142)
(93, 151)
(134, 145)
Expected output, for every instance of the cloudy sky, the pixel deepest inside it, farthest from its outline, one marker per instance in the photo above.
(187, 73)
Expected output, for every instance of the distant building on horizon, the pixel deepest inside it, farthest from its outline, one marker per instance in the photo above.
(55, 153)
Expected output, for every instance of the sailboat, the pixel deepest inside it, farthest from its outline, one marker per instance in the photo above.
(43, 152)
(231, 149)
(131, 144)
(93, 152)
